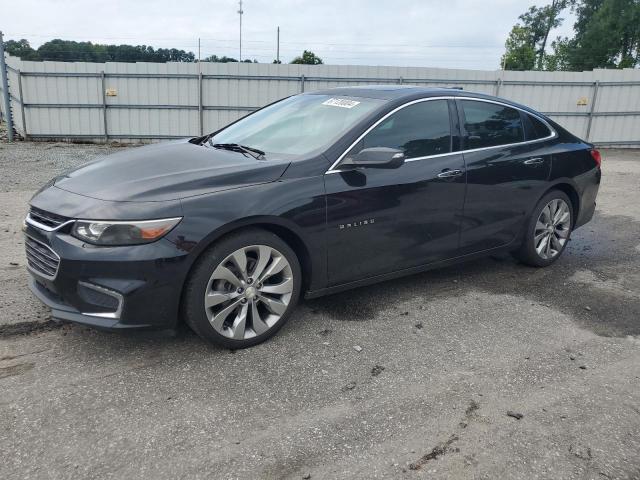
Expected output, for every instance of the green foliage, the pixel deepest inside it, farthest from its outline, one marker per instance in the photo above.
(520, 52)
(217, 59)
(21, 48)
(525, 48)
(606, 35)
(558, 60)
(308, 58)
(540, 22)
(70, 51)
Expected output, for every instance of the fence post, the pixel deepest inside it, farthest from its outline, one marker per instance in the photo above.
(104, 106)
(596, 85)
(200, 122)
(301, 83)
(498, 85)
(22, 111)
(5, 91)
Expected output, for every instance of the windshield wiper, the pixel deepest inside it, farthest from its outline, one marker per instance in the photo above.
(234, 147)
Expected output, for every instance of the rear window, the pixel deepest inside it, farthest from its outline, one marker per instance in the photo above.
(490, 124)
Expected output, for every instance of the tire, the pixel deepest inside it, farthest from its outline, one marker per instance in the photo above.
(534, 251)
(230, 308)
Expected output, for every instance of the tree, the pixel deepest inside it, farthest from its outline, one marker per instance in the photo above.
(70, 51)
(532, 36)
(607, 35)
(21, 49)
(559, 59)
(540, 22)
(520, 52)
(217, 59)
(307, 58)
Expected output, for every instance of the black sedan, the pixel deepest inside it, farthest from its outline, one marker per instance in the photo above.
(311, 195)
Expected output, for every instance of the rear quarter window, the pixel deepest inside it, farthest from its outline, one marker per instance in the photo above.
(534, 128)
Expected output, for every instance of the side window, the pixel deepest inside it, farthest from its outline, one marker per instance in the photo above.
(419, 130)
(534, 129)
(490, 124)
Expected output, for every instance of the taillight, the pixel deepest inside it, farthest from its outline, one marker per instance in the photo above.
(595, 154)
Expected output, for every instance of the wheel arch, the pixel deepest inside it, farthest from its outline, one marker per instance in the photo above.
(276, 225)
(564, 185)
(570, 190)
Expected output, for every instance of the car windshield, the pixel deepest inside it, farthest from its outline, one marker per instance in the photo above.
(298, 125)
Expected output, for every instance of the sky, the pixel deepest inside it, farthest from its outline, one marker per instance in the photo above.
(427, 33)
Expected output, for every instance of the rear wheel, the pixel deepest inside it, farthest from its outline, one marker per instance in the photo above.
(548, 230)
(243, 289)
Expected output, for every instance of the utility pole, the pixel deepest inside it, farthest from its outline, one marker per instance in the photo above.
(199, 66)
(5, 91)
(240, 12)
(278, 47)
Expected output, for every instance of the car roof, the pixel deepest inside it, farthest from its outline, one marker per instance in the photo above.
(386, 92)
(400, 93)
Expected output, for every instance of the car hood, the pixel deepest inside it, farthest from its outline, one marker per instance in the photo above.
(168, 171)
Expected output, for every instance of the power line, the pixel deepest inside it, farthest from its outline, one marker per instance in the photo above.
(307, 43)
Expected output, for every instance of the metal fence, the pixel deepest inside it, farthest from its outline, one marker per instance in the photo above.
(146, 101)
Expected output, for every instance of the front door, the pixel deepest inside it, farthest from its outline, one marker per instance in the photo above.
(385, 220)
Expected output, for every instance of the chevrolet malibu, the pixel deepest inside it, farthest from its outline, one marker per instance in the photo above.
(313, 194)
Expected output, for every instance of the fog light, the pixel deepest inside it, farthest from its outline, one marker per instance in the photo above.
(108, 301)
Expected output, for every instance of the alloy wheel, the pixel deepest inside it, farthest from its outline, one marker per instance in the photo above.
(248, 292)
(552, 229)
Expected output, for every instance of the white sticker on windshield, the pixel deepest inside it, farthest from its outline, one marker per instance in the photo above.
(341, 102)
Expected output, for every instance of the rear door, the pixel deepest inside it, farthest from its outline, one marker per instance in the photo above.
(384, 220)
(508, 164)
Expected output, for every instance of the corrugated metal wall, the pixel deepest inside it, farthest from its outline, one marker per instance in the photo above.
(155, 101)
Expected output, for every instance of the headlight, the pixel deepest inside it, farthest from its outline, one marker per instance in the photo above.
(123, 233)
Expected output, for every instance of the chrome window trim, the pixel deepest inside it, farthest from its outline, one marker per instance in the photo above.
(107, 291)
(46, 228)
(36, 272)
(333, 168)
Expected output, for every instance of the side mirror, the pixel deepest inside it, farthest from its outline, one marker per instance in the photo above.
(375, 157)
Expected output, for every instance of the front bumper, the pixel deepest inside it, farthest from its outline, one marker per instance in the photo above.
(112, 288)
(63, 311)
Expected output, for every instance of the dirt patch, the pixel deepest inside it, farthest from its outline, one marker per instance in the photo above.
(13, 370)
(436, 452)
(355, 306)
(442, 448)
(27, 328)
(473, 406)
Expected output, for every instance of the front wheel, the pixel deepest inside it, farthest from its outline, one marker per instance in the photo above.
(243, 289)
(548, 230)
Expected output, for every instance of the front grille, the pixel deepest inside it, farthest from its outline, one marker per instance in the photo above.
(41, 259)
(47, 219)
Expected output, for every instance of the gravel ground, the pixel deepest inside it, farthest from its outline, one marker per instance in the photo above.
(485, 370)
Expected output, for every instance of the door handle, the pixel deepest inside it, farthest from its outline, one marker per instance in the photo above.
(450, 173)
(534, 161)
